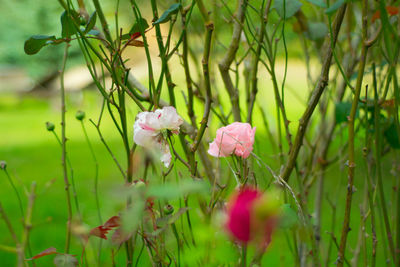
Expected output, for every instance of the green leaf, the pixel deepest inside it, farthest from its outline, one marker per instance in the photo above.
(164, 222)
(93, 32)
(391, 136)
(291, 7)
(335, 6)
(166, 16)
(91, 22)
(319, 3)
(317, 30)
(65, 260)
(342, 111)
(289, 217)
(140, 24)
(36, 42)
(67, 25)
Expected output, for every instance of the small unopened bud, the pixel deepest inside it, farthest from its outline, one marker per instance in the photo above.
(50, 126)
(139, 184)
(3, 165)
(82, 21)
(168, 209)
(80, 115)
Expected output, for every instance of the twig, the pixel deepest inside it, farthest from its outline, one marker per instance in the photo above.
(206, 72)
(27, 222)
(254, 69)
(108, 148)
(316, 95)
(351, 152)
(64, 149)
(226, 62)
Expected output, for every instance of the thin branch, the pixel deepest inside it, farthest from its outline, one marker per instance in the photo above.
(316, 95)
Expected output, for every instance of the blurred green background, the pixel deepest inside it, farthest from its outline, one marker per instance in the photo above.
(29, 97)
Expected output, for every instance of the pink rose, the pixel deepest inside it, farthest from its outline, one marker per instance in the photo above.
(235, 138)
(252, 216)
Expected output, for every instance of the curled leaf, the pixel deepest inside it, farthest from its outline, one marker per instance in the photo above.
(46, 252)
(99, 231)
(166, 16)
(136, 43)
(91, 22)
(113, 222)
(102, 230)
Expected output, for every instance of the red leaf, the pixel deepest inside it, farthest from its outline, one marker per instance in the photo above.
(102, 230)
(135, 35)
(46, 252)
(112, 222)
(99, 231)
(391, 10)
(136, 43)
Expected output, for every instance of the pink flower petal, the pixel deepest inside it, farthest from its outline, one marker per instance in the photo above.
(235, 138)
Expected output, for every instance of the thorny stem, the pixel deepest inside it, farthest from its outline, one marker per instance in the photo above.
(27, 222)
(103, 21)
(189, 83)
(314, 99)
(254, 69)
(64, 149)
(351, 155)
(226, 62)
(378, 153)
(206, 72)
(74, 193)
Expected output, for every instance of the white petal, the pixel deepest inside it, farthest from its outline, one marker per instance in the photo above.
(144, 138)
(149, 119)
(142, 135)
(165, 152)
(169, 119)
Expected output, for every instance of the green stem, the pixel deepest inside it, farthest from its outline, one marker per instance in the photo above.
(244, 255)
(174, 230)
(64, 149)
(351, 151)
(378, 145)
(315, 96)
(103, 21)
(96, 176)
(206, 73)
(16, 193)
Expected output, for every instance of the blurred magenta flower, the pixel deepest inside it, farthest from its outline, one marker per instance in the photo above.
(150, 130)
(252, 216)
(237, 138)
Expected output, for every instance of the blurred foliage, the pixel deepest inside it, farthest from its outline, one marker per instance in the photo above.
(18, 20)
(23, 18)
